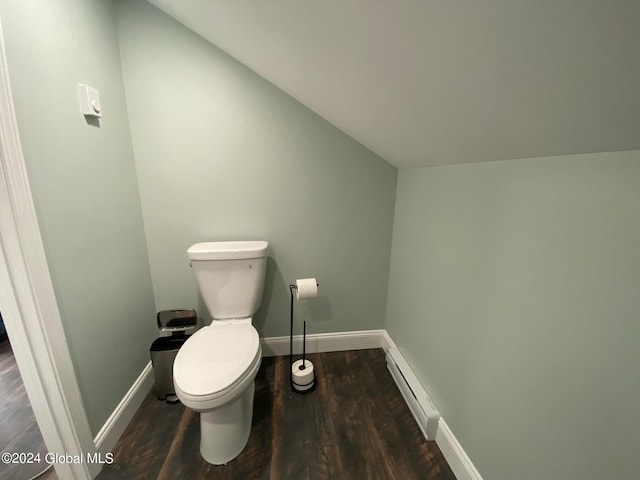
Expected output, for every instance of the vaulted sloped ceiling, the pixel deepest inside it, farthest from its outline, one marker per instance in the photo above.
(437, 82)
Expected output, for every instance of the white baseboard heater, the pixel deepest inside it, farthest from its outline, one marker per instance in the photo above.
(421, 406)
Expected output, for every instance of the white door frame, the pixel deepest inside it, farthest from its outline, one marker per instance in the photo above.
(29, 306)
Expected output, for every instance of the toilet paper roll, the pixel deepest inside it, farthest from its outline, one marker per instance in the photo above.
(303, 379)
(306, 288)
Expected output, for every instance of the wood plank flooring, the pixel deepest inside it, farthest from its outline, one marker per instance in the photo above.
(354, 425)
(19, 432)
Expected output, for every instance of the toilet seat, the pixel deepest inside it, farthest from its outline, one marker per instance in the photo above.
(216, 364)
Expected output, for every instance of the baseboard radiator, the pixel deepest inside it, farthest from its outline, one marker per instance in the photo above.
(425, 412)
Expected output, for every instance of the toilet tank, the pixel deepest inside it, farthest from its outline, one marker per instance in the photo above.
(230, 276)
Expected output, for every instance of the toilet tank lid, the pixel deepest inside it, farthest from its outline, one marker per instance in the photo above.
(227, 250)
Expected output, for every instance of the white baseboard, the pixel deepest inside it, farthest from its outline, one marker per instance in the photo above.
(117, 422)
(431, 424)
(419, 403)
(327, 342)
(455, 455)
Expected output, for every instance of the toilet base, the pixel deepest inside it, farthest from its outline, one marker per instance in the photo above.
(224, 431)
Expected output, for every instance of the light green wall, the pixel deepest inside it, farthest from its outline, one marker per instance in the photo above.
(85, 190)
(514, 295)
(222, 154)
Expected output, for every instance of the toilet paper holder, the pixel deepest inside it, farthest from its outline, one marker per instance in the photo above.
(301, 372)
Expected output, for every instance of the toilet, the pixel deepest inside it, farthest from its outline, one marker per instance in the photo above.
(214, 371)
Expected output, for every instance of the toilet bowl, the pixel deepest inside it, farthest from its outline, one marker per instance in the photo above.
(214, 374)
(214, 371)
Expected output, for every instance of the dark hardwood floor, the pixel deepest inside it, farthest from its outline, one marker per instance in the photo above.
(355, 425)
(19, 432)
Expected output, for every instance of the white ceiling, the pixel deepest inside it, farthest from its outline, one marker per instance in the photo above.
(437, 82)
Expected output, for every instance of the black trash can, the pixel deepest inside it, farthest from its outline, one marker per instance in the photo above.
(163, 350)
